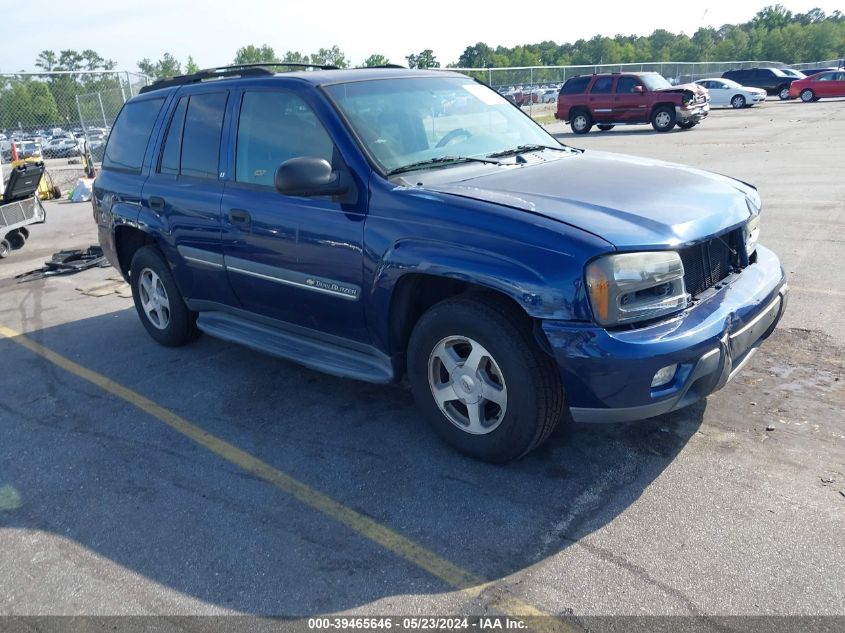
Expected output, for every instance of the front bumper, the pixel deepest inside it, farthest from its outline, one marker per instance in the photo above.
(607, 374)
(696, 113)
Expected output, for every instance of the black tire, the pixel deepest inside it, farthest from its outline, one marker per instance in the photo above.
(179, 327)
(534, 398)
(15, 239)
(5, 248)
(605, 127)
(663, 118)
(783, 92)
(686, 125)
(581, 122)
(737, 102)
(24, 231)
(807, 95)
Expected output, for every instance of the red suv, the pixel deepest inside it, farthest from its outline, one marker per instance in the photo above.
(608, 99)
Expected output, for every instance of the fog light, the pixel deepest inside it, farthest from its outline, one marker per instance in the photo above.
(664, 376)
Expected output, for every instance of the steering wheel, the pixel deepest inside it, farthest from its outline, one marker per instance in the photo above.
(452, 135)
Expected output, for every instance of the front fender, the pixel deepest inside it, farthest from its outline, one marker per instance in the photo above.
(539, 295)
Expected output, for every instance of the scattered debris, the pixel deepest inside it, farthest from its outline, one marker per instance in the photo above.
(842, 492)
(67, 263)
(770, 427)
(827, 480)
(112, 285)
(753, 404)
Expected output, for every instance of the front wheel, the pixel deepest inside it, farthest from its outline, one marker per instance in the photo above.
(158, 301)
(480, 377)
(663, 119)
(5, 248)
(808, 95)
(581, 122)
(687, 125)
(738, 102)
(783, 93)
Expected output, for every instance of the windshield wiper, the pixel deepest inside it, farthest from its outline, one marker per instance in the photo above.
(441, 160)
(521, 149)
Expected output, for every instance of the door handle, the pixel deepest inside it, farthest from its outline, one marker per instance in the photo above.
(156, 202)
(239, 216)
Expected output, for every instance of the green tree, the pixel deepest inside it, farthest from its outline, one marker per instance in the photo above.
(297, 58)
(330, 57)
(42, 104)
(376, 60)
(167, 66)
(425, 59)
(479, 55)
(46, 60)
(251, 54)
(772, 17)
(191, 66)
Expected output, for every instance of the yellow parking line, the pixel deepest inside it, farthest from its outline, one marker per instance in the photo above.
(416, 554)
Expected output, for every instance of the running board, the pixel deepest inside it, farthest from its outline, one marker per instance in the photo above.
(315, 353)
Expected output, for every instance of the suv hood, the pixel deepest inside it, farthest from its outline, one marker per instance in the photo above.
(633, 203)
(695, 89)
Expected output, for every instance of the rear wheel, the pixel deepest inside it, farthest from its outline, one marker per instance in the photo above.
(808, 95)
(16, 239)
(663, 119)
(783, 92)
(478, 374)
(158, 301)
(581, 122)
(738, 102)
(604, 127)
(686, 125)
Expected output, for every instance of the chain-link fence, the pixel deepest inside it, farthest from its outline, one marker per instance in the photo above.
(60, 115)
(516, 78)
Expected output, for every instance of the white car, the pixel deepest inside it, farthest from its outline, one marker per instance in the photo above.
(726, 93)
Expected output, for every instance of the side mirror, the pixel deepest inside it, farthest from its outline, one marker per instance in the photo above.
(639, 89)
(309, 176)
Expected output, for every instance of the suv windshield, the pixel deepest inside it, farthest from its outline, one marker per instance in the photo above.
(653, 81)
(404, 122)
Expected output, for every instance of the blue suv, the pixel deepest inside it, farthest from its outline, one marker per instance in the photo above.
(383, 224)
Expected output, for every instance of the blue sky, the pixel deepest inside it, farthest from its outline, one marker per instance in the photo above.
(212, 31)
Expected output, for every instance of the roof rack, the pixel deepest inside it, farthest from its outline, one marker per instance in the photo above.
(220, 72)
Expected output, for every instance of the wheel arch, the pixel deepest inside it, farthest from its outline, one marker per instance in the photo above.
(414, 277)
(659, 105)
(127, 240)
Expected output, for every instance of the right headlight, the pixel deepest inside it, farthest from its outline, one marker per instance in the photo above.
(630, 287)
(752, 234)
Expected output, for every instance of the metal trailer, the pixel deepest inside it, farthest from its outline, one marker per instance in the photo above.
(14, 218)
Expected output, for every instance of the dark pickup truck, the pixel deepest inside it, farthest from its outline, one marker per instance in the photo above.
(607, 100)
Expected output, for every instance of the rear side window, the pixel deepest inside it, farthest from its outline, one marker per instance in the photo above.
(603, 85)
(130, 133)
(576, 85)
(171, 155)
(201, 135)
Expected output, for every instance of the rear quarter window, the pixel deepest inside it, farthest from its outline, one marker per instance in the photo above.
(129, 136)
(576, 85)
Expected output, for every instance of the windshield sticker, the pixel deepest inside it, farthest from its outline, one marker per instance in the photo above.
(486, 95)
